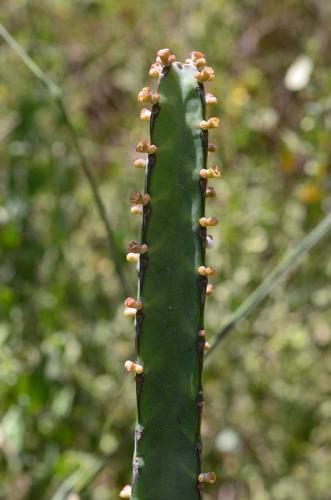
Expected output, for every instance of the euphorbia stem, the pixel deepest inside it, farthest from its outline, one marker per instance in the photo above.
(173, 279)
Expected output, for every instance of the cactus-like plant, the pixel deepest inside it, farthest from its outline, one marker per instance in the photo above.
(172, 281)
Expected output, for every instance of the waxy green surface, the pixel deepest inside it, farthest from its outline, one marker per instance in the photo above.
(166, 459)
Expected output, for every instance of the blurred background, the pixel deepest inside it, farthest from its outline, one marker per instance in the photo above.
(67, 407)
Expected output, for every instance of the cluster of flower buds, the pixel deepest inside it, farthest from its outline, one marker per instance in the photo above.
(208, 221)
(198, 58)
(134, 250)
(207, 477)
(131, 307)
(207, 271)
(133, 247)
(202, 333)
(131, 366)
(144, 147)
(138, 201)
(146, 95)
(206, 75)
(210, 173)
(164, 57)
(137, 198)
(213, 122)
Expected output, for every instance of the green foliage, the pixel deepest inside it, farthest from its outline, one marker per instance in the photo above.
(65, 402)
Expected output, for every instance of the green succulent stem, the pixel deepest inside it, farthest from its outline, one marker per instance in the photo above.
(169, 327)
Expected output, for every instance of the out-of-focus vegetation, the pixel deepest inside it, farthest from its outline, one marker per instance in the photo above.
(67, 407)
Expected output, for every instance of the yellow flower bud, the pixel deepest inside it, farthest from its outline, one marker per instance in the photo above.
(132, 257)
(206, 271)
(136, 209)
(213, 122)
(208, 221)
(125, 492)
(145, 114)
(210, 98)
(130, 366)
